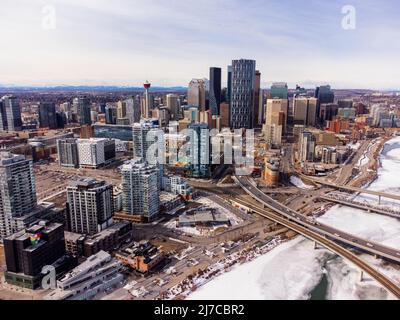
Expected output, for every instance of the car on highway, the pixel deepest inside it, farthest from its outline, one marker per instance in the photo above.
(311, 220)
(370, 245)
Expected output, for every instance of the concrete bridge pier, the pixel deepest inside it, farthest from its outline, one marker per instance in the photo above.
(315, 245)
(379, 199)
(361, 276)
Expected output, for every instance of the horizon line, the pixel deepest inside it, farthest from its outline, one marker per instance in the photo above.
(39, 87)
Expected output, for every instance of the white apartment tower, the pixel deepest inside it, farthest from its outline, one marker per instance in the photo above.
(17, 191)
(140, 189)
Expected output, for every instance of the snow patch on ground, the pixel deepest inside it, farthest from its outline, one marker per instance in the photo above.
(235, 220)
(354, 146)
(296, 181)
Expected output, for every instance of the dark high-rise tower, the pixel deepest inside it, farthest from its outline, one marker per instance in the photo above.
(17, 191)
(3, 116)
(324, 94)
(82, 105)
(257, 102)
(215, 90)
(242, 97)
(111, 115)
(47, 115)
(229, 85)
(10, 114)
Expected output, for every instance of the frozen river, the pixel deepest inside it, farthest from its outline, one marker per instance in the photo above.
(294, 270)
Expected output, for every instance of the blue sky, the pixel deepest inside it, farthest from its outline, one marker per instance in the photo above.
(168, 42)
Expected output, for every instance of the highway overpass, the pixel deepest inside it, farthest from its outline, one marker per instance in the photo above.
(352, 189)
(360, 205)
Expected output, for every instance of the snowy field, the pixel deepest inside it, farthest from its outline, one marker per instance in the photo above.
(296, 181)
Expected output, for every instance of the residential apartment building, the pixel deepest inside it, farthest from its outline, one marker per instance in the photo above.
(140, 188)
(17, 191)
(89, 206)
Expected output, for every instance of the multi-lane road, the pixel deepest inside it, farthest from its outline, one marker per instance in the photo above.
(332, 185)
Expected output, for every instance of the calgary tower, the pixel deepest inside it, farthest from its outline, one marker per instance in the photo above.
(146, 86)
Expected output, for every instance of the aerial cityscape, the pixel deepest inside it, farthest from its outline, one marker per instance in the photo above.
(187, 179)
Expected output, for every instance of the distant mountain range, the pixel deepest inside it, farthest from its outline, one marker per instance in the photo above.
(16, 88)
(86, 88)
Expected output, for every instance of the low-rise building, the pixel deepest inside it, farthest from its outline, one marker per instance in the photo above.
(206, 218)
(97, 274)
(108, 240)
(142, 257)
(177, 185)
(169, 201)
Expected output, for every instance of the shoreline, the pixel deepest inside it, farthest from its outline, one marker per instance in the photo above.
(364, 181)
(186, 287)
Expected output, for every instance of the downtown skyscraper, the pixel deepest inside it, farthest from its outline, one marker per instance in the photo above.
(215, 90)
(82, 107)
(133, 110)
(47, 115)
(242, 96)
(196, 95)
(199, 154)
(173, 105)
(10, 114)
(325, 95)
